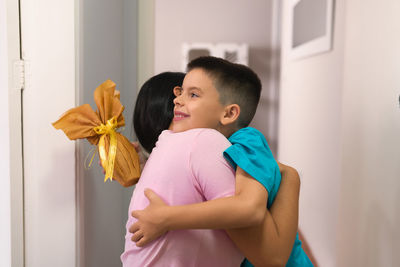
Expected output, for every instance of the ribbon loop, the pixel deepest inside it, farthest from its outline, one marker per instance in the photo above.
(107, 162)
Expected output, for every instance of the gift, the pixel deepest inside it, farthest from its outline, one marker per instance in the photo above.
(117, 154)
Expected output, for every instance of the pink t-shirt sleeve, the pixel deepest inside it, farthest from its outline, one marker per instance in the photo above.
(212, 174)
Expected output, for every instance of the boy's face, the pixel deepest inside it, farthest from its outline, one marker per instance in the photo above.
(197, 103)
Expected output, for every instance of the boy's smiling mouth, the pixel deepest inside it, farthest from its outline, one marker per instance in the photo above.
(178, 115)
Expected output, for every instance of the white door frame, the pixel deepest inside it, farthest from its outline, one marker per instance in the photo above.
(15, 129)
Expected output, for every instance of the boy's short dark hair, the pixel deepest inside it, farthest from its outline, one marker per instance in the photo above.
(235, 83)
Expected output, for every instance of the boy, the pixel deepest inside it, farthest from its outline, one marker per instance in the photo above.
(224, 96)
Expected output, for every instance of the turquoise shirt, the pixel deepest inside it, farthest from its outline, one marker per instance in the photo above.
(250, 151)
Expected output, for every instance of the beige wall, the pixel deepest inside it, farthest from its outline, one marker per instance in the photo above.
(238, 21)
(105, 52)
(369, 213)
(340, 127)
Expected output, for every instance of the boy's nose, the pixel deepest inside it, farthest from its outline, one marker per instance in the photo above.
(178, 100)
(178, 95)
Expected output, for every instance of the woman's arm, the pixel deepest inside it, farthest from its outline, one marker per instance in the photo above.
(245, 208)
(271, 243)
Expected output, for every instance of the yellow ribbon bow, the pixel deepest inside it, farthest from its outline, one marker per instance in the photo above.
(107, 162)
(118, 156)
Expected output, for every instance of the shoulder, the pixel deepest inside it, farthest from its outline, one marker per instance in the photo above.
(203, 133)
(200, 136)
(206, 143)
(211, 172)
(250, 139)
(246, 133)
(251, 152)
(210, 139)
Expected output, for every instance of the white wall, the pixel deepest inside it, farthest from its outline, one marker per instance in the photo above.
(340, 127)
(238, 21)
(48, 43)
(310, 135)
(368, 233)
(5, 213)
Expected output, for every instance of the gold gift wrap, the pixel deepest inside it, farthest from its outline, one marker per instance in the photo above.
(117, 154)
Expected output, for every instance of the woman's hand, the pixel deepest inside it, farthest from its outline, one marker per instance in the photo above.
(152, 221)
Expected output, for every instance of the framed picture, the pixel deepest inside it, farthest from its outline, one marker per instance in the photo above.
(311, 23)
(233, 52)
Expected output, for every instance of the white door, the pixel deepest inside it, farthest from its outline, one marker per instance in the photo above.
(52, 223)
(48, 49)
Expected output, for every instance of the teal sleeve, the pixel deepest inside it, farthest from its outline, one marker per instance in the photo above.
(250, 151)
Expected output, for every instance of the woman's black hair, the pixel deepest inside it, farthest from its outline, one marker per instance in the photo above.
(154, 107)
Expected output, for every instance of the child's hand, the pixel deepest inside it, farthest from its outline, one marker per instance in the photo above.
(151, 221)
(136, 146)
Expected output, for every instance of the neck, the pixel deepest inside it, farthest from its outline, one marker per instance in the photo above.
(227, 131)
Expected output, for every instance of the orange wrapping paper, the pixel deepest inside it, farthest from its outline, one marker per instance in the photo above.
(79, 123)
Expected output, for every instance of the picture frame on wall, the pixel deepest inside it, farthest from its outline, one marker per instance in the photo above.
(311, 24)
(233, 52)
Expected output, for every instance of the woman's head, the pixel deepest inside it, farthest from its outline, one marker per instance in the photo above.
(154, 107)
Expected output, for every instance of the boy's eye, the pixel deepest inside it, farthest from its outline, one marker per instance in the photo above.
(194, 95)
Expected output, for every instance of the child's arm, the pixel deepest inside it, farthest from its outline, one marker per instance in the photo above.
(245, 208)
(157, 218)
(268, 243)
(272, 241)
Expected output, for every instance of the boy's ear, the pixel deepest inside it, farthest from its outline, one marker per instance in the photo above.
(231, 114)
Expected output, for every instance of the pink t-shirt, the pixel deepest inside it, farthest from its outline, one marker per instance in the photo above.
(185, 168)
